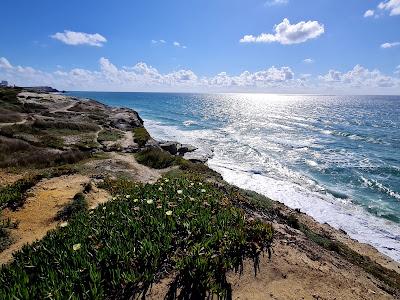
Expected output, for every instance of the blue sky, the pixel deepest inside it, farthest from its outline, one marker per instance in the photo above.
(316, 46)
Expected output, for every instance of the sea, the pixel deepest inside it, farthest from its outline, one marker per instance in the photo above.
(336, 158)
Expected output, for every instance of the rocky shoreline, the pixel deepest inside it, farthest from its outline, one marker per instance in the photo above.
(310, 260)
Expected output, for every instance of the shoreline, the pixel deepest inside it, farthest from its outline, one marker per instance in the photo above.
(299, 235)
(344, 213)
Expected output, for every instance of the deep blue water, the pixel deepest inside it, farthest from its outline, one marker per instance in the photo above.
(336, 158)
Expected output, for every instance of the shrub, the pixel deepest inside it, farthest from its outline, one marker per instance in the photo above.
(78, 204)
(14, 195)
(141, 136)
(109, 135)
(155, 158)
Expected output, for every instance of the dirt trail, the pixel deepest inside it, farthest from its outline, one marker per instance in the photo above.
(36, 217)
(14, 123)
(127, 140)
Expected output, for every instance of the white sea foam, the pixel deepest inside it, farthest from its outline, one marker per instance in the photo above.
(247, 168)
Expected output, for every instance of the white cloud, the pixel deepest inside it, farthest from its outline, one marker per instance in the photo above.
(80, 38)
(276, 2)
(179, 45)
(393, 6)
(143, 77)
(158, 41)
(360, 77)
(369, 13)
(4, 63)
(390, 45)
(286, 33)
(308, 61)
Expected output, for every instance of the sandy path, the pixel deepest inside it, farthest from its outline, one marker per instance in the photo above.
(36, 217)
(15, 123)
(127, 141)
(140, 172)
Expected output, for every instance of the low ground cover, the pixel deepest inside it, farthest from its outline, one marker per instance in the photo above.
(121, 248)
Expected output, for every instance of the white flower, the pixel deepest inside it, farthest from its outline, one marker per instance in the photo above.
(76, 247)
(203, 190)
(200, 183)
(104, 208)
(149, 201)
(168, 212)
(135, 200)
(114, 198)
(179, 192)
(127, 196)
(192, 184)
(65, 224)
(166, 180)
(160, 188)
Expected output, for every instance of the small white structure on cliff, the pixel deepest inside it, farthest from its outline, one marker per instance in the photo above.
(3, 83)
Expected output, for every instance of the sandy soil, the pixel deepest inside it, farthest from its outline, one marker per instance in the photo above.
(123, 164)
(298, 269)
(36, 217)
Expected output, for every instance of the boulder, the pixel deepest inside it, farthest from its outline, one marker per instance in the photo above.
(185, 148)
(171, 147)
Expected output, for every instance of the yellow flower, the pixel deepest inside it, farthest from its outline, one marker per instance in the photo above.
(135, 200)
(76, 247)
(149, 201)
(168, 212)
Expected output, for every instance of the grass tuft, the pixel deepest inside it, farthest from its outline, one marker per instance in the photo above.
(140, 136)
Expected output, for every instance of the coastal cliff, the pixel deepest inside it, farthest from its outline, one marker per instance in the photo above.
(121, 215)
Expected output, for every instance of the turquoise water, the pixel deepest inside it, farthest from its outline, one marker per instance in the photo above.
(336, 158)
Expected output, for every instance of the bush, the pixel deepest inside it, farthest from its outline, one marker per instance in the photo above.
(155, 158)
(141, 136)
(14, 195)
(122, 247)
(78, 204)
(109, 135)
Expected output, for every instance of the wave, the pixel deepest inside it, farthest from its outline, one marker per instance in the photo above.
(235, 159)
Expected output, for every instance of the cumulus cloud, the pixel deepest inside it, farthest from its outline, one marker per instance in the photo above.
(308, 61)
(369, 13)
(276, 2)
(286, 33)
(144, 77)
(392, 6)
(360, 77)
(390, 45)
(80, 38)
(4, 63)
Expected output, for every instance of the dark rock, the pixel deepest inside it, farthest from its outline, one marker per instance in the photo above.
(171, 147)
(185, 148)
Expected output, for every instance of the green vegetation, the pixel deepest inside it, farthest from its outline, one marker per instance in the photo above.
(155, 158)
(72, 126)
(8, 99)
(78, 204)
(5, 239)
(14, 195)
(17, 153)
(121, 248)
(141, 136)
(110, 135)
